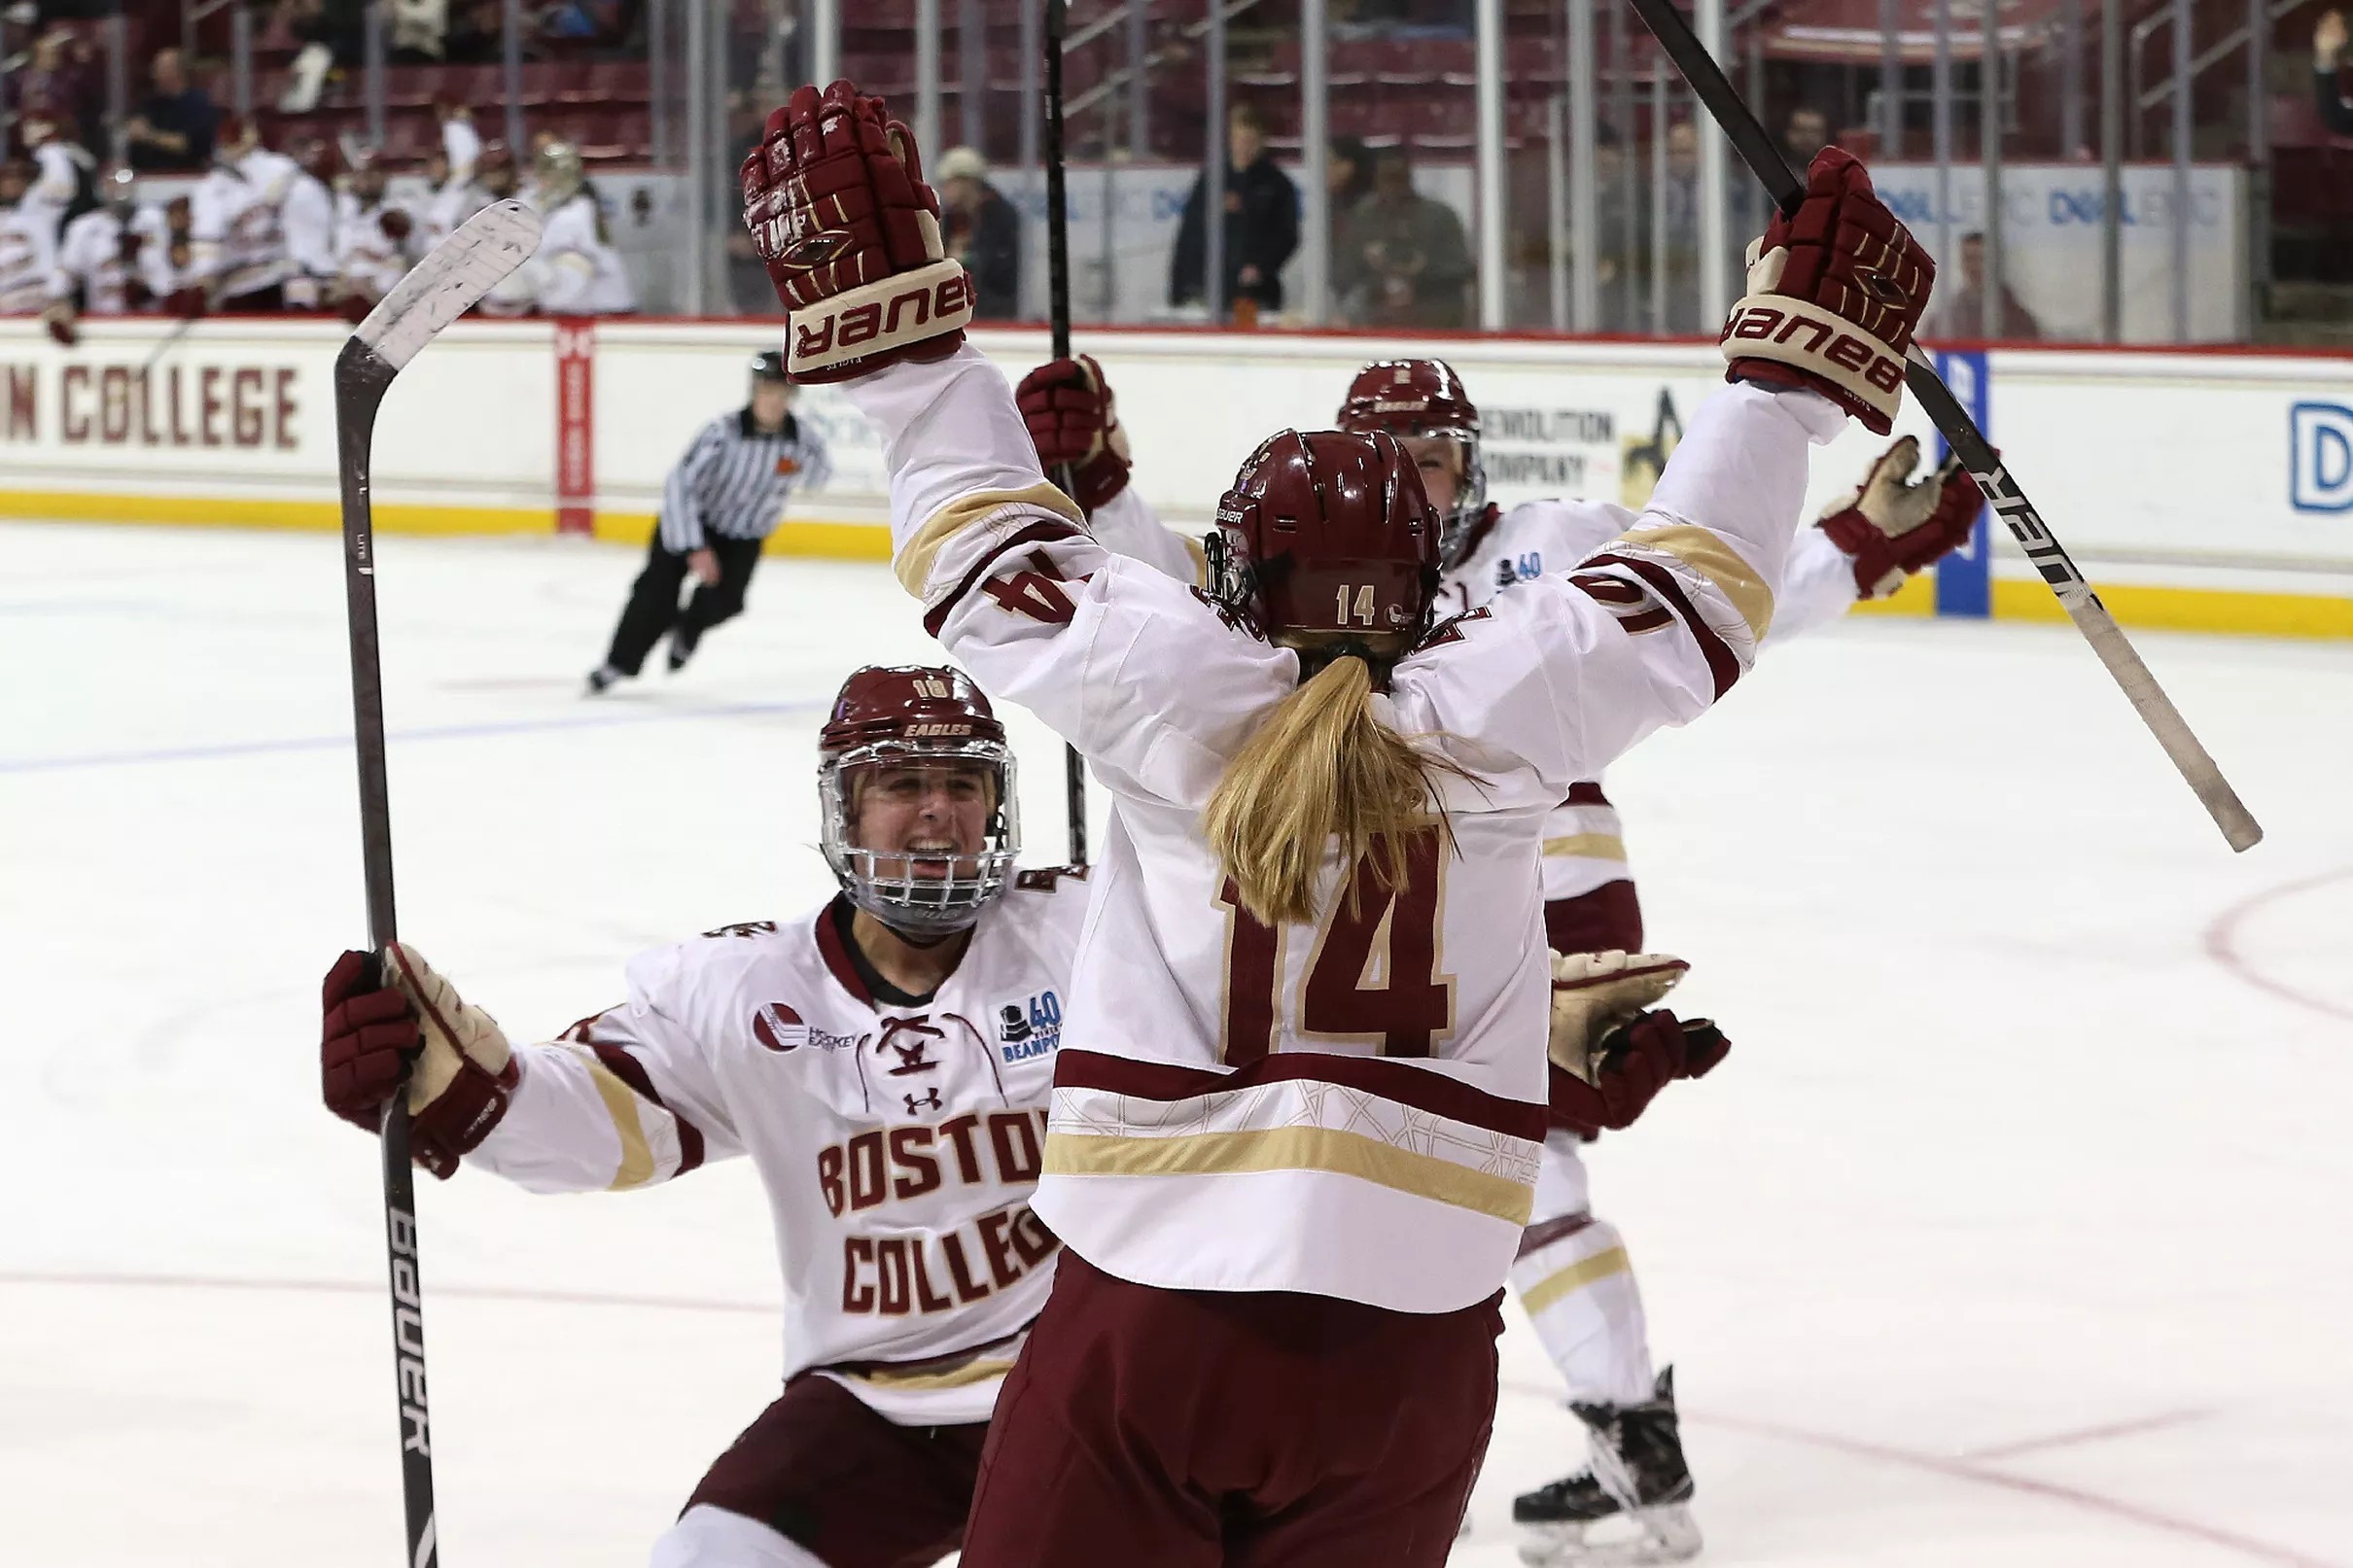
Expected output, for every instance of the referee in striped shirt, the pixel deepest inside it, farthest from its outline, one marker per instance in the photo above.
(723, 499)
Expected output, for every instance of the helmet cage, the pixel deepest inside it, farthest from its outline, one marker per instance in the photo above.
(882, 881)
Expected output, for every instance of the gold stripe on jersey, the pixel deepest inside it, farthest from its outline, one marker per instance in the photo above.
(917, 556)
(620, 1103)
(1707, 554)
(1588, 846)
(1292, 1148)
(1201, 561)
(1573, 1278)
(963, 1377)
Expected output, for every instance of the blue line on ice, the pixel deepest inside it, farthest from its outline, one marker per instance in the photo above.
(444, 732)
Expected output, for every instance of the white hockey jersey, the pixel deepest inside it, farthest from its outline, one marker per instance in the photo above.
(898, 1144)
(91, 258)
(580, 272)
(237, 239)
(369, 262)
(28, 256)
(307, 218)
(1353, 1108)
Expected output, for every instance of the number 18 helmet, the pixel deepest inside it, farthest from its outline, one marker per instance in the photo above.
(1328, 538)
(1424, 399)
(890, 718)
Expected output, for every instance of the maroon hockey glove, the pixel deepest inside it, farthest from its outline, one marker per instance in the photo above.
(1896, 525)
(835, 200)
(395, 223)
(1073, 419)
(1834, 296)
(455, 1066)
(1637, 1060)
(58, 317)
(186, 303)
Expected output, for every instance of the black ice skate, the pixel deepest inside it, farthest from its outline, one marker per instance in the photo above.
(601, 678)
(1630, 1503)
(681, 645)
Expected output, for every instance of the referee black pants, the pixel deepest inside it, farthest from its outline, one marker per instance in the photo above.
(654, 608)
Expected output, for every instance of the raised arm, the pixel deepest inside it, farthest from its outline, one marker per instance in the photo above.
(625, 1099)
(1007, 575)
(1666, 617)
(1073, 423)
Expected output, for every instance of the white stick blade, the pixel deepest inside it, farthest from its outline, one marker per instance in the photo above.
(451, 279)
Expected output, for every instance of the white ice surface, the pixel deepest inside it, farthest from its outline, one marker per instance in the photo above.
(2014, 1232)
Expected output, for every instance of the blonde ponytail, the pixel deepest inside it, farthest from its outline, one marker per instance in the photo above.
(1322, 767)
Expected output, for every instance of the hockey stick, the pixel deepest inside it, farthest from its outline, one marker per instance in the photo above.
(1058, 313)
(2066, 581)
(437, 291)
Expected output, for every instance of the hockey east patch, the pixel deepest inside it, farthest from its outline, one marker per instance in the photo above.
(1029, 1030)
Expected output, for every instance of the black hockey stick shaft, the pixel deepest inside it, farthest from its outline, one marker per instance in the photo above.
(1787, 188)
(1058, 317)
(360, 378)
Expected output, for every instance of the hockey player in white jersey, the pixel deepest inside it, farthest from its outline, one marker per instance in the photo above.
(1572, 1274)
(306, 217)
(65, 182)
(376, 238)
(579, 271)
(1299, 1099)
(239, 241)
(28, 244)
(885, 1062)
(110, 261)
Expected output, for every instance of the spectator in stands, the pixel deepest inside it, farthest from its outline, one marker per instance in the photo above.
(983, 231)
(2328, 51)
(1401, 260)
(1260, 224)
(1961, 307)
(172, 130)
(477, 37)
(1805, 132)
(1348, 176)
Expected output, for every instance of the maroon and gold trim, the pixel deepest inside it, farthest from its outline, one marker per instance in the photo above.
(1043, 531)
(1723, 666)
(1415, 1087)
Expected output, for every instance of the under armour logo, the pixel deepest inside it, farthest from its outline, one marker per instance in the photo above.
(911, 1054)
(928, 1100)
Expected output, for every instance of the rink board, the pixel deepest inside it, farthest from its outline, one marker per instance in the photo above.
(2203, 491)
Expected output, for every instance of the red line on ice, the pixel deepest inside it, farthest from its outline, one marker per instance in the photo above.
(1964, 1469)
(2222, 943)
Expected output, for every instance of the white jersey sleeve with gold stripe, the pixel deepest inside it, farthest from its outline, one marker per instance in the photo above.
(1351, 1106)
(898, 1145)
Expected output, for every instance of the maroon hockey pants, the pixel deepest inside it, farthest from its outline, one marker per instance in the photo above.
(1153, 1428)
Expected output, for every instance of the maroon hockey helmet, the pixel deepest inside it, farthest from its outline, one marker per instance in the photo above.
(1326, 538)
(1424, 400)
(494, 168)
(915, 716)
